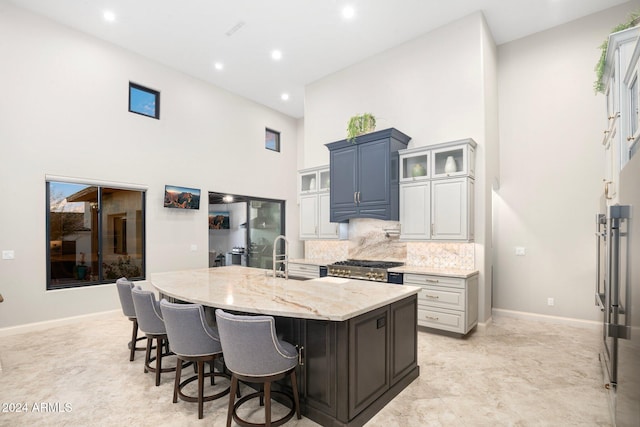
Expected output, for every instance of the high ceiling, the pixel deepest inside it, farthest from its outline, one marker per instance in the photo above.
(313, 37)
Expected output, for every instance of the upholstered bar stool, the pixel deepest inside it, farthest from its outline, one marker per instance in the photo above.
(253, 353)
(151, 323)
(192, 340)
(124, 292)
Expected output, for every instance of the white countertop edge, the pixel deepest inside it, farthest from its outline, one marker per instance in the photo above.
(413, 269)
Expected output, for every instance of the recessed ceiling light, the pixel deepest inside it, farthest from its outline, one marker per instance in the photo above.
(109, 16)
(284, 96)
(348, 12)
(218, 66)
(227, 198)
(276, 55)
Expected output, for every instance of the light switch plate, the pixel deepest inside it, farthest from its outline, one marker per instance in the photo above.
(194, 248)
(8, 254)
(520, 251)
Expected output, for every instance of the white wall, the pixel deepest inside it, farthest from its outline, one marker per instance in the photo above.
(432, 88)
(63, 111)
(551, 168)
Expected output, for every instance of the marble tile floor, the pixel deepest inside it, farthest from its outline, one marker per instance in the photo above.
(512, 373)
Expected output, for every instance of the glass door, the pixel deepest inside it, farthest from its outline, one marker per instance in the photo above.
(265, 223)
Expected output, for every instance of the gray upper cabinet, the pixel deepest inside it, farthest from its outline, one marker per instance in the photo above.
(364, 176)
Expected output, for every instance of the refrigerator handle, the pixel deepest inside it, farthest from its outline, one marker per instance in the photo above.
(600, 220)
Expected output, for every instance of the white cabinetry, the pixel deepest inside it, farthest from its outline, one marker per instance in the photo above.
(446, 303)
(314, 205)
(437, 192)
(620, 82)
(452, 209)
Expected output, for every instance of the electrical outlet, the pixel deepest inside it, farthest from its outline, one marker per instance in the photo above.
(520, 251)
(8, 254)
(550, 302)
(194, 248)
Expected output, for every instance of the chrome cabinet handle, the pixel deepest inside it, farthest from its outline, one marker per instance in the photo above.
(431, 318)
(432, 280)
(355, 201)
(432, 296)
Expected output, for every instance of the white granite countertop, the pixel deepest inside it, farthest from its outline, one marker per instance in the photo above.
(252, 290)
(450, 272)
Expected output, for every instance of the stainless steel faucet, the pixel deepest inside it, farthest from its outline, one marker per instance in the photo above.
(281, 258)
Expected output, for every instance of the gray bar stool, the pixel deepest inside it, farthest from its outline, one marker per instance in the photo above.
(151, 323)
(253, 353)
(192, 340)
(124, 292)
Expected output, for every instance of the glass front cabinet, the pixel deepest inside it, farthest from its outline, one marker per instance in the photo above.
(314, 200)
(437, 192)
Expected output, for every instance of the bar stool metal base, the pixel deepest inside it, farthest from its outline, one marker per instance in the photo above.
(265, 397)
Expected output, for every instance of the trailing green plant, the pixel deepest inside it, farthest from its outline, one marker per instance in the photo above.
(598, 85)
(359, 125)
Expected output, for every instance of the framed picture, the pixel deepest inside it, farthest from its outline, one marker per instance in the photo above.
(181, 197)
(218, 220)
(143, 100)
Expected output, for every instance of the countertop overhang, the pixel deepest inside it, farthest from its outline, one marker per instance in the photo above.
(253, 290)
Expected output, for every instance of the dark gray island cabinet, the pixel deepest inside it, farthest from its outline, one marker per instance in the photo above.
(357, 340)
(350, 370)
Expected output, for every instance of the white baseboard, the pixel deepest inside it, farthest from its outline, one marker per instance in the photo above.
(39, 326)
(580, 323)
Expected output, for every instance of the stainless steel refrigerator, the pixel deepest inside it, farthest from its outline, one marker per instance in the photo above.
(618, 295)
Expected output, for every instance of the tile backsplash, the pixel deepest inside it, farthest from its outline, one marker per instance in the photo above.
(374, 239)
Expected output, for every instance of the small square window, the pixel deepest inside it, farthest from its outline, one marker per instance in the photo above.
(143, 100)
(272, 140)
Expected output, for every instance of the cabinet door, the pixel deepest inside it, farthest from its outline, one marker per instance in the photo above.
(368, 359)
(326, 228)
(415, 211)
(343, 179)
(449, 204)
(309, 216)
(404, 346)
(374, 175)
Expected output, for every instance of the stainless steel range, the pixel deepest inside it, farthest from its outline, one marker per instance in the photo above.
(366, 270)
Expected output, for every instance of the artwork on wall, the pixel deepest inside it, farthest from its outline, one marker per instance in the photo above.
(218, 220)
(181, 197)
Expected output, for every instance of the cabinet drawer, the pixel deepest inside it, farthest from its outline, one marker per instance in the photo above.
(435, 296)
(304, 270)
(447, 320)
(422, 279)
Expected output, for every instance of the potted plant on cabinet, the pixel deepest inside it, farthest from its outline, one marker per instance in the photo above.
(359, 125)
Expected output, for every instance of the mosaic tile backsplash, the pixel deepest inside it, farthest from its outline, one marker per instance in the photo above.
(374, 239)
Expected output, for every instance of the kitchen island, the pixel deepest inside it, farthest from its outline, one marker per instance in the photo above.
(357, 339)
